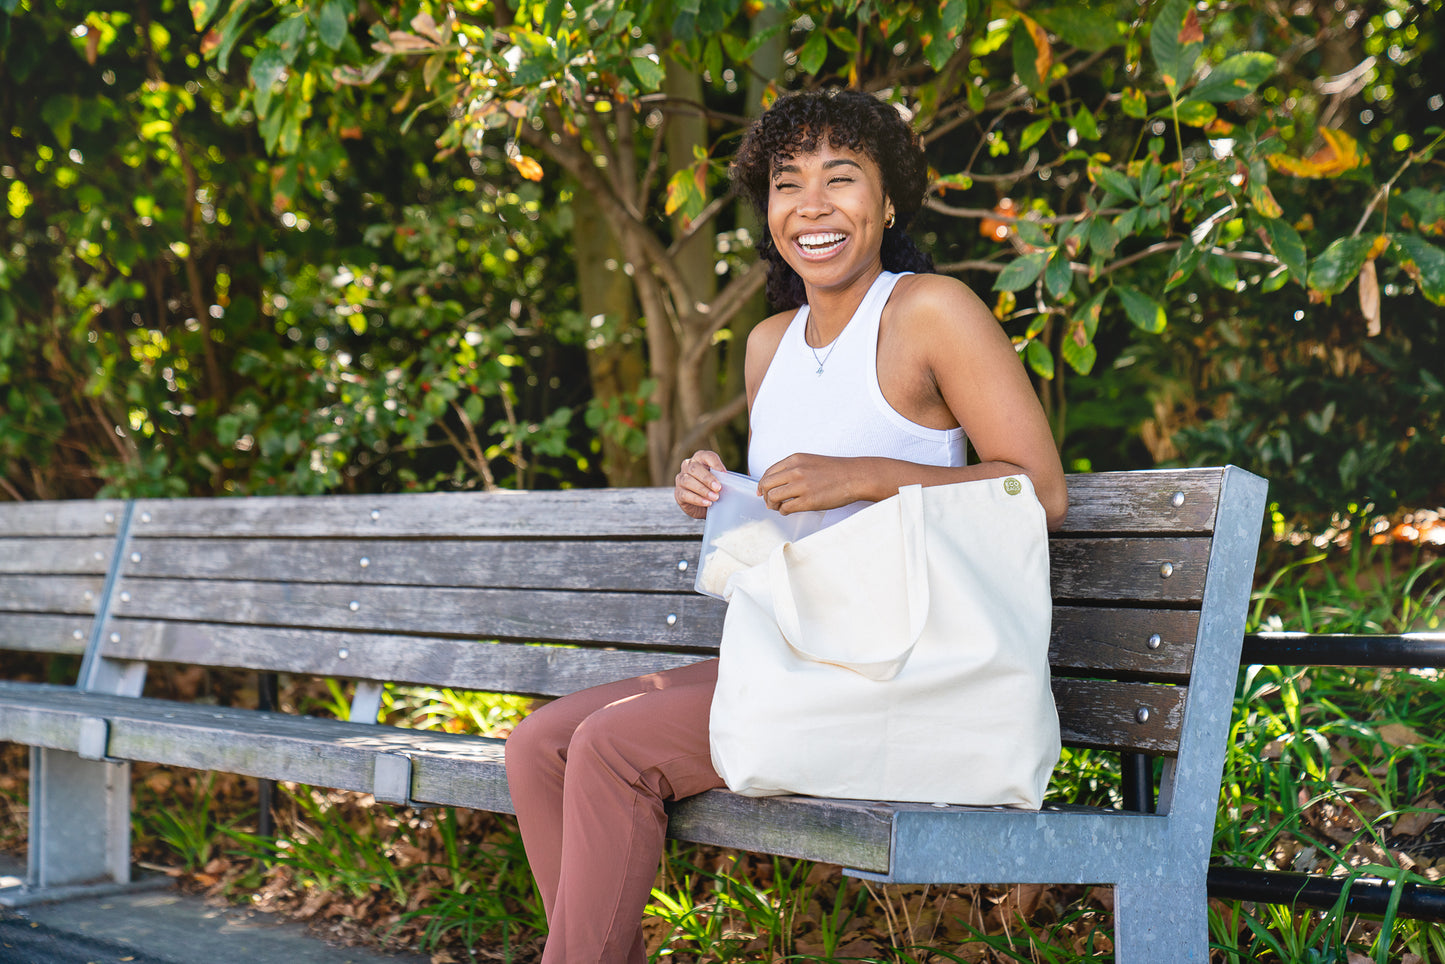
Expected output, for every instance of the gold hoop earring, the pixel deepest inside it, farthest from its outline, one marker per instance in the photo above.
(889, 223)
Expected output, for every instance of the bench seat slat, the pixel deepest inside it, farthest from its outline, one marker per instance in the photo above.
(50, 594)
(45, 633)
(40, 714)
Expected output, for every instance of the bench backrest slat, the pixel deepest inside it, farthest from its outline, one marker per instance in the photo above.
(53, 560)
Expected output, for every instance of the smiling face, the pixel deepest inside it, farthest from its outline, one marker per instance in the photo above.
(826, 213)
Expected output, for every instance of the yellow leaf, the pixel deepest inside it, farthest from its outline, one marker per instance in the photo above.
(1044, 51)
(1341, 153)
(1005, 305)
(1378, 248)
(527, 167)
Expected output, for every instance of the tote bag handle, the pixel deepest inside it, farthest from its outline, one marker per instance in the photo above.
(908, 531)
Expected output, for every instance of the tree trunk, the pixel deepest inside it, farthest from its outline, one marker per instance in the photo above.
(616, 364)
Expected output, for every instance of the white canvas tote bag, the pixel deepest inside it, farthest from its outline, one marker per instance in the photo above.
(901, 654)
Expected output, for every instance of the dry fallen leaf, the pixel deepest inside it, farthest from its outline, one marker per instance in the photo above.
(1398, 734)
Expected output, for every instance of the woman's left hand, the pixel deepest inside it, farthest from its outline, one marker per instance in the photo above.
(806, 483)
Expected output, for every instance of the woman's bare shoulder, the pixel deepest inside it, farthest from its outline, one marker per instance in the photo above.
(938, 295)
(939, 305)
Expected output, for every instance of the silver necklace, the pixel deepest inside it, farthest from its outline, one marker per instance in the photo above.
(826, 355)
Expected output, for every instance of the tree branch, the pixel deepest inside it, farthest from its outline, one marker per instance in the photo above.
(706, 425)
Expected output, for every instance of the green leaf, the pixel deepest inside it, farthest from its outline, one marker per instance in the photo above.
(649, 73)
(1193, 113)
(288, 36)
(845, 40)
(1236, 77)
(1146, 313)
(1033, 132)
(1135, 104)
(760, 38)
(1174, 54)
(1031, 233)
(1103, 236)
(1059, 274)
(331, 24)
(1428, 264)
(1087, 29)
(955, 16)
(266, 70)
(1021, 272)
(814, 52)
(1288, 247)
(938, 51)
(230, 29)
(1222, 271)
(1113, 182)
(201, 11)
(1040, 359)
(1182, 265)
(1084, 123)
(1078, 346)
(1026, 53)
(1338, 265)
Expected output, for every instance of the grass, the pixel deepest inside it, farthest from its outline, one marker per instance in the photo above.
(1330, 771)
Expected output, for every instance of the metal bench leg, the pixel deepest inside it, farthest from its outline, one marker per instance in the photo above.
(1160, 920)
(79, 828)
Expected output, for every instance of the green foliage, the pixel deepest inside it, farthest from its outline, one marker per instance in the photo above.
(178, 315)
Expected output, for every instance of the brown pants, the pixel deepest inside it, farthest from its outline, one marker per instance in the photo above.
(588, 775)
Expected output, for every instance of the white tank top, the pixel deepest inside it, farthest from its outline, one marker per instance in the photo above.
(841, 412)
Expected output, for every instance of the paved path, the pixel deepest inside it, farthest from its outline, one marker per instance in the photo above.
(162, 927)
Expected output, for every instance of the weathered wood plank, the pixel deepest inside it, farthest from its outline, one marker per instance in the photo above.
(75, 518)
(1127, 570)
(532, 615)
(38, 714)
(1111, 716)
(50, 594)
(1101, 502)
(1109, 568)
(578, 513)
(634, 565)
(458, 664)
(37, 556)
(1115, 643)
(852, 833)
(1144, 501)
(44, 633)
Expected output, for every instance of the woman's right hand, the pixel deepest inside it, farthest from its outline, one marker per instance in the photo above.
(696, 488)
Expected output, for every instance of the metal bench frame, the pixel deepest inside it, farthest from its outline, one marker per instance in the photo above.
(1174, 549)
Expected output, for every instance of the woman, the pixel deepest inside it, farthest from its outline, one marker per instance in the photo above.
(867, 381)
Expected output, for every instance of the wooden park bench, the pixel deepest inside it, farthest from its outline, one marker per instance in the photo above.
(542, 593)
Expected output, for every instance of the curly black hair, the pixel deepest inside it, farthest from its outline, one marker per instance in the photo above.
(848, 119)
